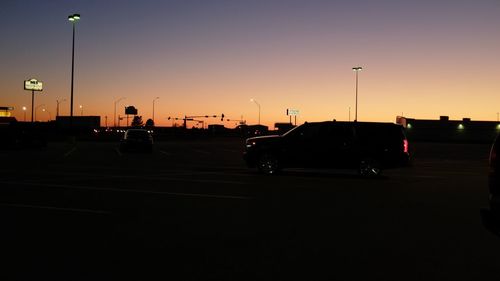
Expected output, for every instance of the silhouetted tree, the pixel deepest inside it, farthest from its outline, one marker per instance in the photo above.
(137, 121)
(150, 123)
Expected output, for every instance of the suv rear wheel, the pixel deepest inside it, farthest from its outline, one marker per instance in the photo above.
(268, 163)
(369, 167)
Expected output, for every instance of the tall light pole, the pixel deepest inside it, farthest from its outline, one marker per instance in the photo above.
(50, 115)
(114, 114)
(154, 108)
(57, 107)
(258, 105)
(81, 110)
(73, 19)
(24, 110)
(356, 69)
(37, 108)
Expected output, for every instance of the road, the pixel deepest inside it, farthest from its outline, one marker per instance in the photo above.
(191, 210)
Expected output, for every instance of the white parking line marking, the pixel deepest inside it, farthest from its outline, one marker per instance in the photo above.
(231, 150)
(202, 151)
(55, 208)
(70, 152)
(131, 190)
(166, 153)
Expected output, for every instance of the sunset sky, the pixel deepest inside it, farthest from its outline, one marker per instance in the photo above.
(421, 58)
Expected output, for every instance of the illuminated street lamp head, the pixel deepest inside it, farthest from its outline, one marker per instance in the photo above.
(357, 68)
(74, 17)
(24, 108)
(254, 101)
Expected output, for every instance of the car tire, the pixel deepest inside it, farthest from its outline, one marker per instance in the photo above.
(369, 168)
(268, 164)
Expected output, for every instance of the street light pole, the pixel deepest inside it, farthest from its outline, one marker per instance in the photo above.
(32, 104)
(50, 115)
(36, 109)
(73, 19)
(24, 110)
(154, 108)
(258, 105)
(114, 114)
(81, 110)
(57, 107)
(356, 69)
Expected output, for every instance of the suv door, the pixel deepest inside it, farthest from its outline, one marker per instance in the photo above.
(300, 146)
(338, 147)
(319, 145)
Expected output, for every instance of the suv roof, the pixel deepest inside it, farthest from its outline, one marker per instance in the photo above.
(368, 125)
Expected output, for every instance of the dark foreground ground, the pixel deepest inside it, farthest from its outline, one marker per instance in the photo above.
(192, 211)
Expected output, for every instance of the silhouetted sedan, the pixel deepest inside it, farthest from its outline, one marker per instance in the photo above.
(136, 140)
(367, 147)
(491, 216)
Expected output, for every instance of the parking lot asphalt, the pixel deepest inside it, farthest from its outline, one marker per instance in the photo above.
(192, 209)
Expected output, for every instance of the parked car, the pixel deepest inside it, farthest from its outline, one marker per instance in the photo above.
(367, 147)
(491, 215)
(136, 140)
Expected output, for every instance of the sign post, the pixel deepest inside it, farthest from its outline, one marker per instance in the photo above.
(292, 112)
(33, 85)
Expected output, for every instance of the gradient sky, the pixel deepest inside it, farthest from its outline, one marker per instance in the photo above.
(421, 58)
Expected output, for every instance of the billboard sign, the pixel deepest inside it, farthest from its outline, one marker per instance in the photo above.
(33, 85)
(292, 112)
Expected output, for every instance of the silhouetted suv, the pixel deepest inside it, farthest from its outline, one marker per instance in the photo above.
(367, 147)
(136, 140)
(491, 216)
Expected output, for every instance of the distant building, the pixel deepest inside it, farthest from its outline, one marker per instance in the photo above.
(6, 121)
(253, 130)
(283, 127)
(216, 129)
(88, 122)
(446, 130)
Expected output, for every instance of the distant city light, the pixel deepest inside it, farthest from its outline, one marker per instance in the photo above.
(408, 126)
(498, 127)
(460, 126)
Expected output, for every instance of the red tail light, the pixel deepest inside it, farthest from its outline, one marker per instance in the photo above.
(405, 145)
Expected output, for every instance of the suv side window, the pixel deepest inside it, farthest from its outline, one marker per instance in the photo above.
(340, 134)
(305, 133)
(380, 134)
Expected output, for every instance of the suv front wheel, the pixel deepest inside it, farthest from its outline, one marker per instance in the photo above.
(369, 167)
(268, 163)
